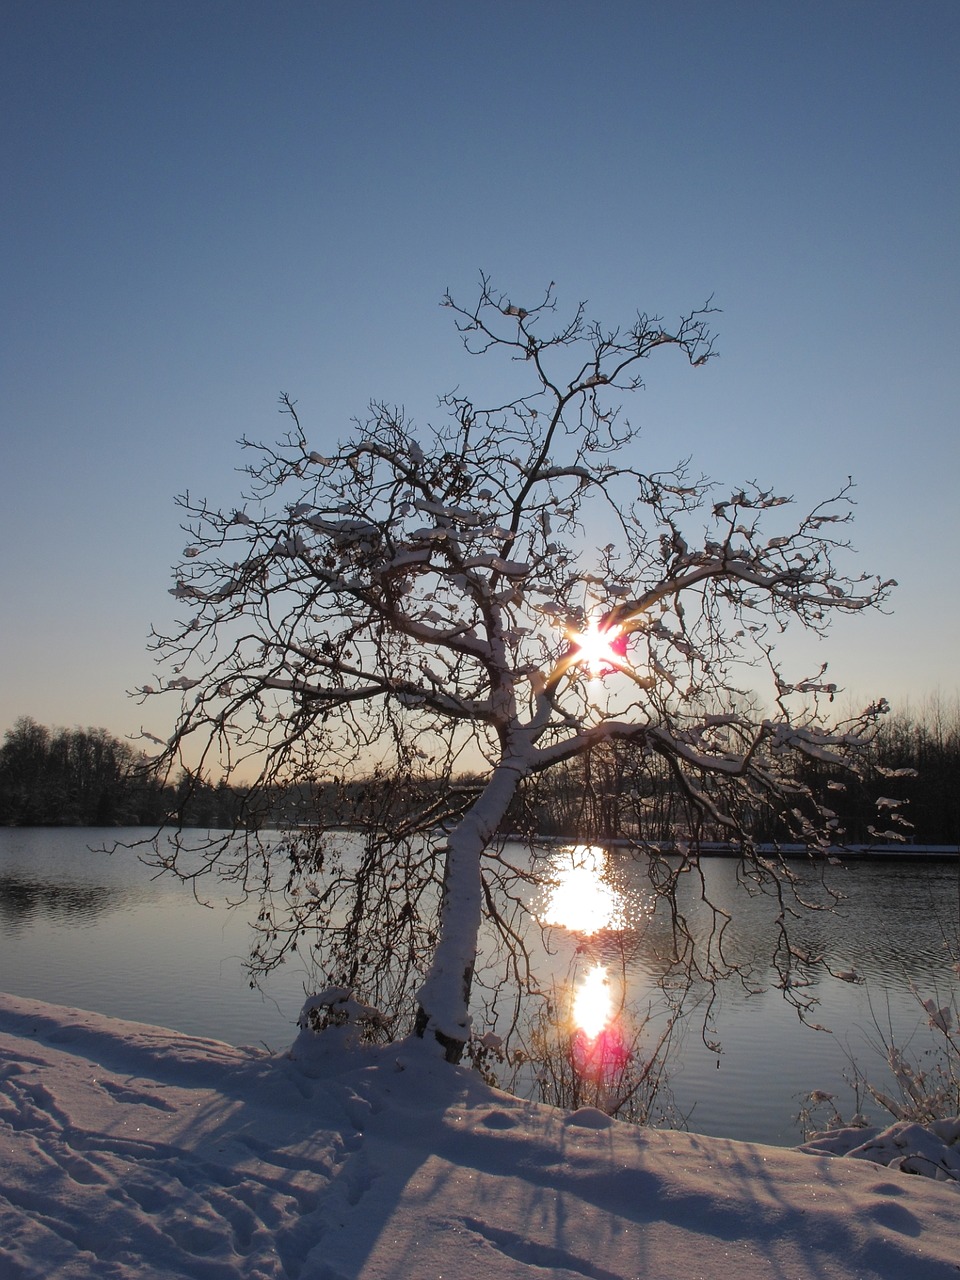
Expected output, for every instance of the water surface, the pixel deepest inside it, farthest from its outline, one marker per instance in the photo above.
(101, 931)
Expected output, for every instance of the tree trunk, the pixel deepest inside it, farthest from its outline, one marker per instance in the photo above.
(444, 998)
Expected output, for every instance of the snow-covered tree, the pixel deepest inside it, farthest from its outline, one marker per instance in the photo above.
(428, 618)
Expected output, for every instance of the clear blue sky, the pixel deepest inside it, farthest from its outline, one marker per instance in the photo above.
(207, 203)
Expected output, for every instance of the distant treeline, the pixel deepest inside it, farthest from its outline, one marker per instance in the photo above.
(914, 759)
(86, 777)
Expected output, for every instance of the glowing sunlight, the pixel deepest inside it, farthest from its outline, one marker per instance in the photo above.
(600, 1051)
(592, 1005)
(580, 899)
(599, 651)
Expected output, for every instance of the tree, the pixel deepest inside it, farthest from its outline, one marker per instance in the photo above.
(422, 604)
(23, 765)
(65, 776)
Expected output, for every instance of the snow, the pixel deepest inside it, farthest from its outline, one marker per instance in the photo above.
(132, 1151)
(930, 1150)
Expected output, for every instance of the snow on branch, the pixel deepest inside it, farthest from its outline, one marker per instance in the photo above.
(509, 588)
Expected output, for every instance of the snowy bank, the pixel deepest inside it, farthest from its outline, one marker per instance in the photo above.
(132, 1151)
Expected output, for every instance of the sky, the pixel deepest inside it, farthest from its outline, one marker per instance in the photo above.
(209, 203)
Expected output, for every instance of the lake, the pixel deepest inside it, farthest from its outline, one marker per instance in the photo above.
(100, 931)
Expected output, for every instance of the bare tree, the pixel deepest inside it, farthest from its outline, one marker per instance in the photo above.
(424, 618)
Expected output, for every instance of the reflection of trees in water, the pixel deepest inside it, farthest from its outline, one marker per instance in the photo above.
(78, 904)
(879, 918)
(888, 918)
(901, 918)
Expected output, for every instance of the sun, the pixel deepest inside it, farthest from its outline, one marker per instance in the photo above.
(600, 650)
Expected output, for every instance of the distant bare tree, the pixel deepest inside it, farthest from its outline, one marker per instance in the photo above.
(426, 604)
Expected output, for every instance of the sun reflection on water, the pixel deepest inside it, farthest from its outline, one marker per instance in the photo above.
(592, 1005)
(580, 899)
(599, 1048)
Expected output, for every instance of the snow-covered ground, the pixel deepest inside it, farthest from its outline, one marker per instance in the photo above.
(131, 1151)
